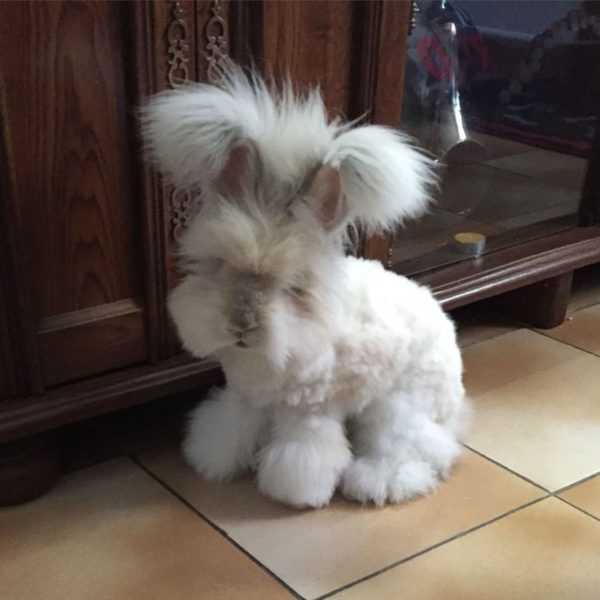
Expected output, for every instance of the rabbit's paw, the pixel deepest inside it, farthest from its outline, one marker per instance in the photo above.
(222, 436)
(302, 473)
(381, 480)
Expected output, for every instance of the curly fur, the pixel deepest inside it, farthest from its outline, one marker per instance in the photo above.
(339, 373)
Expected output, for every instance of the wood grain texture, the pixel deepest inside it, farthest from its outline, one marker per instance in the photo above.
(310, 41)
(379, 34)
(66, 109)
(63, 70)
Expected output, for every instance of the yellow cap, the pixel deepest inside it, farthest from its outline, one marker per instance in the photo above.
(469, 238)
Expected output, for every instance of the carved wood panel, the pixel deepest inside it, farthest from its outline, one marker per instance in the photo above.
(65, 104)
(196, 46)
(175, 43)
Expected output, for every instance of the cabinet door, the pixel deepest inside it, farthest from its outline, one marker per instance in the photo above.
(75, 210)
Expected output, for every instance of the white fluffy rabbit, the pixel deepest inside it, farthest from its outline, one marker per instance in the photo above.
(339, 373)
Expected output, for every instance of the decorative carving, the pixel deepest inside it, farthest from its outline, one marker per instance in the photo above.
(178, 49)
(216, 44)
(182, 205)
(183, 208)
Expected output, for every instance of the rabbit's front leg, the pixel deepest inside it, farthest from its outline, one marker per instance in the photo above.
(305, 459)
(223, 435)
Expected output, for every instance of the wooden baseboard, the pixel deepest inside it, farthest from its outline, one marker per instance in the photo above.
(521, 265)
(66, 404)
(454, 286)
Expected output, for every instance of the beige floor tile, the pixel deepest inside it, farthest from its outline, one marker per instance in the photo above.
(586, 495)
(547, 551)
(318, 551)
(581, 329)
(552, 167)
(112, 533)
(537, 408)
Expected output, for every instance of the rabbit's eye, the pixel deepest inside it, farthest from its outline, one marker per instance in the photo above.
(295, 291)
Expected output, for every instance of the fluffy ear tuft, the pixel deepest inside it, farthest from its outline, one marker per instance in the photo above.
(384, 178)
(191, 132)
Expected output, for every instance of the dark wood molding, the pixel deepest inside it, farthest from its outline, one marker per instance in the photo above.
(377, 78)
(127, 387)
(144, 77)
(91, 341)
(19, 350)
(498, 272)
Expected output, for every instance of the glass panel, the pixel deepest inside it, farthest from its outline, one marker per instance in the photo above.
(505, 95)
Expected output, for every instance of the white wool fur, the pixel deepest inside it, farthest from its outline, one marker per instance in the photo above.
(339, 373)
(190, 131)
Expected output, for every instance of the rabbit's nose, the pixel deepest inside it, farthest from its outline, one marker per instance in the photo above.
(243, 321)
(242, 298)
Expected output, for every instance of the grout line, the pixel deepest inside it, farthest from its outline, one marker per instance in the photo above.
(432, 547)
(571, 485)
(537, 485)
(222, 532)
(585, 512)
(542, 332)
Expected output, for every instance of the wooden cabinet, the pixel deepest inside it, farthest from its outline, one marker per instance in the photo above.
(88, 231)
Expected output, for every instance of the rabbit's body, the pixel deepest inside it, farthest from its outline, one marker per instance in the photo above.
(338, 372)
(385, 330)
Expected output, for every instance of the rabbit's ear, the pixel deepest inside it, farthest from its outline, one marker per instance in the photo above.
(384, 179)
(325, 198)
(196, 136)
(238, 171)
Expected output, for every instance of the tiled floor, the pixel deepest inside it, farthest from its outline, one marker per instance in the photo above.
(519, 518)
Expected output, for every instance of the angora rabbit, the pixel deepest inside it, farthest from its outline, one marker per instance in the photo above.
(339, 373)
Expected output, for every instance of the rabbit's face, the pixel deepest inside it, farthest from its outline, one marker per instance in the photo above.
(280, 183)
(255, 283)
